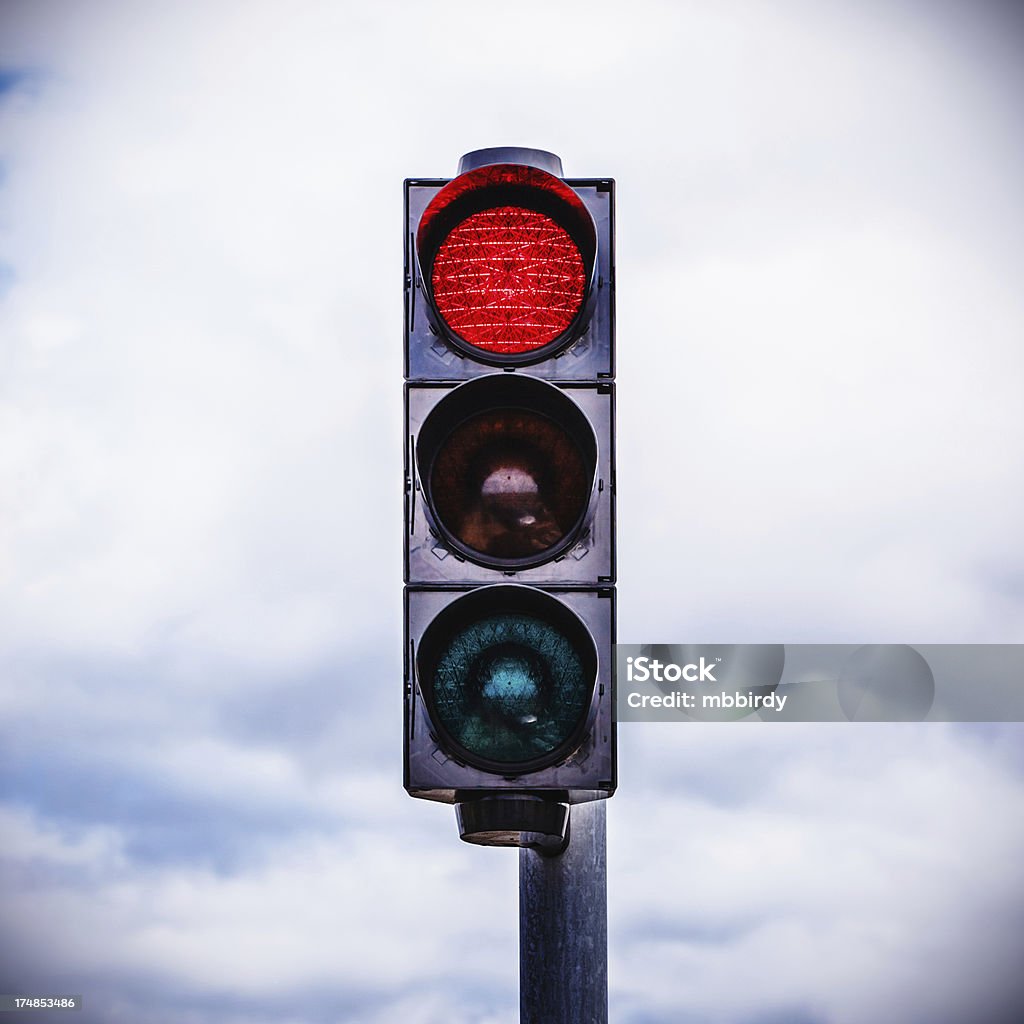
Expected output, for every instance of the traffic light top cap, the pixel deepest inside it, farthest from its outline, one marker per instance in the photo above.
(512, 155)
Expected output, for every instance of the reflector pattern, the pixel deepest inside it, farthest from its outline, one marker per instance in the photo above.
(510, 688)
(508, 280)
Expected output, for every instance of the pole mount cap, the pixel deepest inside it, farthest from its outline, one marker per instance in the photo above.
(515, 819)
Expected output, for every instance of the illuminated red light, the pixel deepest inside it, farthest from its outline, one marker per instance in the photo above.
(508, 280)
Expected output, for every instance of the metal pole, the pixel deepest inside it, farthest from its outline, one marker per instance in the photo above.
(563, 926)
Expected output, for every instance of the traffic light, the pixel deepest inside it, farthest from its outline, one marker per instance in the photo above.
(509, 494)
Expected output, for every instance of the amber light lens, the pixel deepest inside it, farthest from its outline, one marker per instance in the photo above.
(510, 484)
(508, 280)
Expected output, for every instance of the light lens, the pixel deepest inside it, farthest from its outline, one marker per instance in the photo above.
(510, 688)
(510, 484)
(508, 280)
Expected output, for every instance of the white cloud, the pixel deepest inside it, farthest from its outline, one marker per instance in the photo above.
(835, 869)
(364, 911)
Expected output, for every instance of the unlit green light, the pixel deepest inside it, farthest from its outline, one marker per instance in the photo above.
(510, 688)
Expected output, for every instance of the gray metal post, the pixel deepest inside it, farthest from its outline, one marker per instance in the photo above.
(563, 926)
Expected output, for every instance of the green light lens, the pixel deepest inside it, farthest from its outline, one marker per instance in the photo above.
(510, 688)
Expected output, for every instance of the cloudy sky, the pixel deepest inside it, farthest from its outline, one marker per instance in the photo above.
(821, 432)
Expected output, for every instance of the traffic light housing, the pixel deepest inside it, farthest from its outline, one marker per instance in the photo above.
(509, 494)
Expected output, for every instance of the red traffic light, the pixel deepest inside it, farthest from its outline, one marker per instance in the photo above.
(508, 280)
(507, 256)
